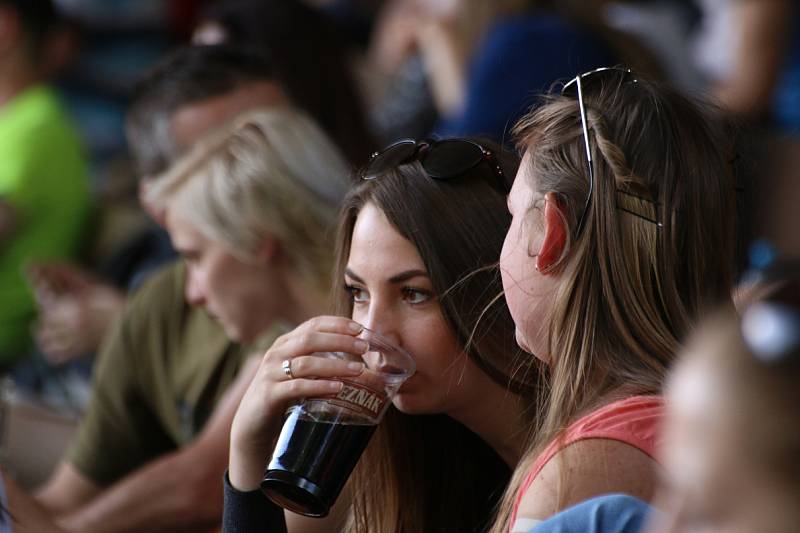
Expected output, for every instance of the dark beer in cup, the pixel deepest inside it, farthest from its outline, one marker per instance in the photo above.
(322, 439)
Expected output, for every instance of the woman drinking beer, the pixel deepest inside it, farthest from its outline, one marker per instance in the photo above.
(417, 238)
(624, 190)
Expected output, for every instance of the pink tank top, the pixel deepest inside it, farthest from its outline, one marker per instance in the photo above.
(635, 421)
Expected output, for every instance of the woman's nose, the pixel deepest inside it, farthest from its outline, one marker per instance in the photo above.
(390, 336)
(383, 322)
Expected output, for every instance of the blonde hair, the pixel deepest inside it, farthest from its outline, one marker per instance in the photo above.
(270, 172)
(656, 246)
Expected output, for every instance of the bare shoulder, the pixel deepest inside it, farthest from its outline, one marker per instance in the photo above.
(586, 469)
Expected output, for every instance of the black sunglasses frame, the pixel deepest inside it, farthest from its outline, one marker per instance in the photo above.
(408, 150)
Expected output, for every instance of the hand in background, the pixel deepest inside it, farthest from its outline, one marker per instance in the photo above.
(394, 37)
(259, 416)
(75, 310)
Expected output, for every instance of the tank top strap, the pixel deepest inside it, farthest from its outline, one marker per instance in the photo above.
(635, 421)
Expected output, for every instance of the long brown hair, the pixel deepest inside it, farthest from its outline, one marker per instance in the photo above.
(428, 472)
(656, 246)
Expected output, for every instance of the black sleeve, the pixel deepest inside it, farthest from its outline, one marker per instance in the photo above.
(247, 512)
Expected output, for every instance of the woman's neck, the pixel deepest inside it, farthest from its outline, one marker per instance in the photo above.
(496, 415)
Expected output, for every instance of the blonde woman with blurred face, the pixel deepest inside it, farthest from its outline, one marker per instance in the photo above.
(250, 210)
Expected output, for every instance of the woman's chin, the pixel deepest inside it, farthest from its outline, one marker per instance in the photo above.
(235, 335)
(408, 404)
(521, 341)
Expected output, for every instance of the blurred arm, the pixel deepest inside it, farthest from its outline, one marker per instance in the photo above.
(27, 515)
(764, 29)
(181, 491)
(66, 489)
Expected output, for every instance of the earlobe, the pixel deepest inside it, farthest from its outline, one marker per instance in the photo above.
(555, 235)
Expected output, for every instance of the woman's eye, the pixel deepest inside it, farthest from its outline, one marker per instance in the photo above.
(191, 258)
(415, 296)
(357, 294)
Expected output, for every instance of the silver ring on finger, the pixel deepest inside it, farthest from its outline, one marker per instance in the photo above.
(286, 366)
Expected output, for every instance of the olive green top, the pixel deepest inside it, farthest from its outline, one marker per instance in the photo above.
(159, 375)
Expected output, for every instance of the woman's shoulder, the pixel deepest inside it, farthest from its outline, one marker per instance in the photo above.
(586, 469)
(612, 448)
(634, 420)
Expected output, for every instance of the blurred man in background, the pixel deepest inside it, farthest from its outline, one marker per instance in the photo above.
(150, 452)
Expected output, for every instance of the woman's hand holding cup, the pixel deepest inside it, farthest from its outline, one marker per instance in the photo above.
(289, 372)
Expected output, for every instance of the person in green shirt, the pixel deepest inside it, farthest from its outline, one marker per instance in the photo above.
(45, 198)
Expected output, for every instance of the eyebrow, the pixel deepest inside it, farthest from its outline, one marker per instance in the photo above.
(397, 278)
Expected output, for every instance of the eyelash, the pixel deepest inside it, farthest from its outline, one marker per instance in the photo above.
(351, 291)
(408, 294)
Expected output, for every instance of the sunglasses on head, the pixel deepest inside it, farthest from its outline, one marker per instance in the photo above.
(575, 88)
(442, 160)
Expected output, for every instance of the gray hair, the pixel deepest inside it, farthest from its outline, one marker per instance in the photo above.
(189, 75)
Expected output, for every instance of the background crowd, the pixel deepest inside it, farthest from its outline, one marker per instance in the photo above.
(181, 185)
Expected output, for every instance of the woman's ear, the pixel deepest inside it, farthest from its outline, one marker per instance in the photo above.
(555, 234)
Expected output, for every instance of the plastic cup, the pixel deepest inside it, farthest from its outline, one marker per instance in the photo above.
(323, 438)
